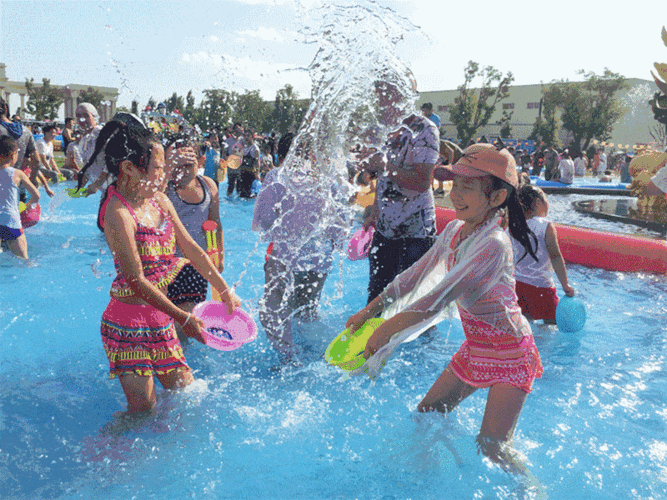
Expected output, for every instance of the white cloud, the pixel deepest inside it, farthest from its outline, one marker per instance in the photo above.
(268, 34)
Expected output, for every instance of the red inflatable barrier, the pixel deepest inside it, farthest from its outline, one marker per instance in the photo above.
(615, 252)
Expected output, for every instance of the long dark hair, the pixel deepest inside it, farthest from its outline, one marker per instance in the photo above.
(121, 142)
(528, 195)
(516, 218)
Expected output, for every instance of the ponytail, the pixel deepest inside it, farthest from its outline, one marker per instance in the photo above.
(516, 219)
(105, 134)
(518, 226)
(121, 142)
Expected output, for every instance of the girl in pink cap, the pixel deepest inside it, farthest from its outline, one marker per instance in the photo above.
(472, 265)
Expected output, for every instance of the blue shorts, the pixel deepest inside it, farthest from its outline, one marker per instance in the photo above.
(9, 233)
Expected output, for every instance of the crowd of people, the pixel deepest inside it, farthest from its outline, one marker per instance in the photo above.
(495, 261)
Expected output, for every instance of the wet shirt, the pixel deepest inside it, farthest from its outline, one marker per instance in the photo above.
(25, 141)
(87, 147)
(9, 199)
(250, 158)
(405, 213)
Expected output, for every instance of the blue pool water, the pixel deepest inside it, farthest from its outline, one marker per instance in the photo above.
(594, 426)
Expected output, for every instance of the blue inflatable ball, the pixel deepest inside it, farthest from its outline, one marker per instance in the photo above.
(570, 314)
(256, 186)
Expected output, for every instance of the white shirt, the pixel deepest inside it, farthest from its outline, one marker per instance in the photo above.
(566, 168)
(45, 148)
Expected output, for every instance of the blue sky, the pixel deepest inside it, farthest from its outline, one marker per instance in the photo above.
(153, 48)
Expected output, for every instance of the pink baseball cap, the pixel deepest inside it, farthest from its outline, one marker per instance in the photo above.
(479, 160)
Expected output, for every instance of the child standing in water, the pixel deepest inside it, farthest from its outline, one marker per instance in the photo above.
(471, 264)
(11, 179)
(142, 230)
(535, 287)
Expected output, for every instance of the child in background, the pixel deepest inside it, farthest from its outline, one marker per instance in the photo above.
(534, 283)
(142, 230)
(11, 179)
(470, 263)
(195, 199)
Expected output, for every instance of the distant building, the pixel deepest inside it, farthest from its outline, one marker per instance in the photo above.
(70, 93)
(526, 103)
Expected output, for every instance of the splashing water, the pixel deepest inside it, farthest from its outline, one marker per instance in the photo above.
(354, 65)
(638, 116)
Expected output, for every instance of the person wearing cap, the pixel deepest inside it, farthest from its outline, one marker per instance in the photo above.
(427, 111)
(471, 264)
(404, 210)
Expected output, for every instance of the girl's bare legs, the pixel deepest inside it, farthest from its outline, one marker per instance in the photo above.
(275, 308)
(139, 391)
(445, 394)
(19, 246)
(503, 407)
(176, 379)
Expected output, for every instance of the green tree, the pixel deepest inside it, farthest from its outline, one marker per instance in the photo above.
(189, 113)
(175, 102)
(216, 109)
(588, 109)
(288, 110)
(546, 126)
(505, 124)
(91, 95)
(473, 107)
(251, 109)
(43, 102)
(151, 104)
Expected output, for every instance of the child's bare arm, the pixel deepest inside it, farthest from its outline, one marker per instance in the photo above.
(34, 193)
(557, 260)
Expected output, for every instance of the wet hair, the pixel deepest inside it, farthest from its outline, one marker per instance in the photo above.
(48, 128)
(122, 142)
(4, 108)
(7, 146)
(516, 218)
(528, 195)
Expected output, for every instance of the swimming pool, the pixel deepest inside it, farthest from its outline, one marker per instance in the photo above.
(594, 426)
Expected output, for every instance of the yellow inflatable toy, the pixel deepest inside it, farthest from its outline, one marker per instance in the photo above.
(642, 168)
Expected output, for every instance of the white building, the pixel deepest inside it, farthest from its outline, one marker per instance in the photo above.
(70, 93)
(524, 100)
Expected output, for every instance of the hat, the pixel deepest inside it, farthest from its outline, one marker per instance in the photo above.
(479, 160)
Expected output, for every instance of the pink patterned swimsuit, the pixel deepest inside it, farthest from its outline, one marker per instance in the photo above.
(489, 356)
(156, 248)
(138, 338)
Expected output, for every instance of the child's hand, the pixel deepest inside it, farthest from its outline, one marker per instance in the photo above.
(194, 328)
(231, 299)
(375, 343)
(569, 291)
